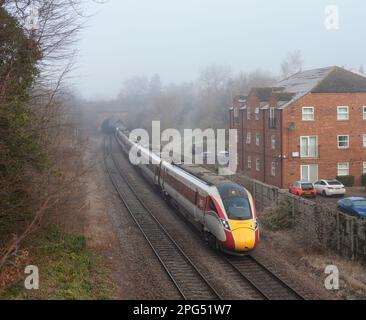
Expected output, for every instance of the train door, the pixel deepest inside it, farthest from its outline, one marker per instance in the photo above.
(201, 200)
(212, 221)
(157, 174)
(162, 177)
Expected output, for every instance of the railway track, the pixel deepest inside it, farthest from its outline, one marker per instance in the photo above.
(268, 285)
(186, 277)
(265, 284)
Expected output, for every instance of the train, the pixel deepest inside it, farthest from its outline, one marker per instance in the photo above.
(223, 211)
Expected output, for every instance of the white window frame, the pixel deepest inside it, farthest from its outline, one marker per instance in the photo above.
(236, 117)
(273, 142)
(308, 165)
(271, 112)
(364, 141)
(249, 163)
(316, 144)
(342, 113)
(256, 113)
(343, 135)
(257, 165)
(364, 167)
(342, 163)
(364, 112)
(248, 114)
(312, 113)
(273, 169)
(236, 112)
(272, 117)
(249, 138)
(257, 139)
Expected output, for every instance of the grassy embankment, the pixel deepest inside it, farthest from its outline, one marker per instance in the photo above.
(67, 268)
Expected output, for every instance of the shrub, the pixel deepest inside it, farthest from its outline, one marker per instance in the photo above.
(348, 181)
(277, 218)
(363, 180)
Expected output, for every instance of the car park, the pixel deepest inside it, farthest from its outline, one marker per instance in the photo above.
(303, 189)
(354, 206)
(330, 188)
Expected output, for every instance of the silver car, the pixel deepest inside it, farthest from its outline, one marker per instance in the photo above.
(330, 188)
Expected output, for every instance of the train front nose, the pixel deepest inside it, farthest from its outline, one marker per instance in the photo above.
(244, 235)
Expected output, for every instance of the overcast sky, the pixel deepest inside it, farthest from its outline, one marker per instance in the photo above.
(177, 38)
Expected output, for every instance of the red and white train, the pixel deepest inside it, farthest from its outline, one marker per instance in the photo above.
(224, 211)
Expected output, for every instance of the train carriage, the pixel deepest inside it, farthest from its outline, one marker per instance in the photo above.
(224, 211)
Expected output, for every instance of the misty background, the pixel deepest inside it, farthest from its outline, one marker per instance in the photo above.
(176, 60)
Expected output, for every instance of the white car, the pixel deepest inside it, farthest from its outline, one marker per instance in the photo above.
(330, 187)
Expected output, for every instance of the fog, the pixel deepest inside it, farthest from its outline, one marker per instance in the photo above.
(176, 39)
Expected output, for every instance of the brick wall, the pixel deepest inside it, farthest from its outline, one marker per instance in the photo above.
(253, 127)
(273, 155)
(326, 127)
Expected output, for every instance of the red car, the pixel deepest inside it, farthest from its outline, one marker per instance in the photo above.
(303, 189)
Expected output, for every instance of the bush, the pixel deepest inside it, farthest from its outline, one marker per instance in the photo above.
(363, 180)
(277, 218)
(348, 181)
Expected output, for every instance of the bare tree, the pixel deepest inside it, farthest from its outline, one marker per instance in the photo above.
(32, 104)
(292, 64)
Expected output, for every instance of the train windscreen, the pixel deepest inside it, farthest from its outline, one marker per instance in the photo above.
(237, 208)
(235, 201)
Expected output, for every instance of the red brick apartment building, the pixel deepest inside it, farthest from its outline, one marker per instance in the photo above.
(309, 126)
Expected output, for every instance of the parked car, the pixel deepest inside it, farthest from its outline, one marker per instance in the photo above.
(302, 189)
(354, 206)
(330, 188)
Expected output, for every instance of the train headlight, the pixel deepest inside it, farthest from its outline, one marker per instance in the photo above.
(225, 223)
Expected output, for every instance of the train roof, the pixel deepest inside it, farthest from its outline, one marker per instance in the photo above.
(204, 174)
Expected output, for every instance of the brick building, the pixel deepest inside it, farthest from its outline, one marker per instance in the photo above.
(309, 126)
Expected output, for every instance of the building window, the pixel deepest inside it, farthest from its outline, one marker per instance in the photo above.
(342, 113)
(309, 172)
(257, 165)
(308, 113)
(309, 147)
(273, 142)
(364, 113)
(249, 162)
(257, 139)
(273, 169)
(364, 140)
(364, 168)
(343, 142)
(248, 114)
(256, 113)
(236, 117)
(249, 138)
(343, 169)
(272, 119)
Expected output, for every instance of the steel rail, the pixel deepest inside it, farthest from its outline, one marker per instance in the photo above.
(168, 268)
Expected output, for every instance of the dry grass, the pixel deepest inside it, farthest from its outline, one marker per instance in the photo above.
(68, 270)
(312, 263)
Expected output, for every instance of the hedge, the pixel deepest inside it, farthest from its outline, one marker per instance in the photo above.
(348, 181)
(363, 179)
